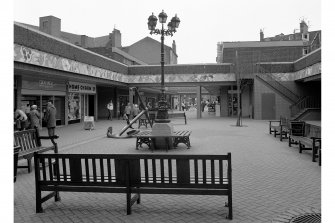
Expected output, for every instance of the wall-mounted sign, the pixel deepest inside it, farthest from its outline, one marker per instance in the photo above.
(46, 84)
(34, 83)
(81, 87)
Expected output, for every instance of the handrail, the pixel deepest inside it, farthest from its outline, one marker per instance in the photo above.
(306, 103)
(277, 85)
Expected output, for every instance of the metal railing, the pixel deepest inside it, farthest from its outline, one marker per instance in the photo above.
(286, 92)
(306, 102)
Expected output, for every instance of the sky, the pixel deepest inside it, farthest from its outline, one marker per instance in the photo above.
(203, 23)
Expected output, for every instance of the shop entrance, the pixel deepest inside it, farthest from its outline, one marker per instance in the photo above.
(90, 105)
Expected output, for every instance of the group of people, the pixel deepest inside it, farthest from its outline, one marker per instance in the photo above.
(31, 119)
(128, 111)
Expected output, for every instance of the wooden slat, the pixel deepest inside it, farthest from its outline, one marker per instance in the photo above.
(50, 168)
(221, 171)
(196, 170)
(170, 170)
(64, 169)
(43, 169)
(154, 170)
(94, 170)
(146, 173)
(102, 169)
(109, 170)
(87, 169)
(162, 170)
(204, 171)
(212, 171)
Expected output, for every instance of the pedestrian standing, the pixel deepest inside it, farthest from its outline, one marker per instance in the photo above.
(34, 117)
(21, 119)
(110, 108)
(50, 118)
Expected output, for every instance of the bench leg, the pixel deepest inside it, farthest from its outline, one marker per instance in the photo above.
(29, 165)
(39, 208)
(300, 147)
(128, 203)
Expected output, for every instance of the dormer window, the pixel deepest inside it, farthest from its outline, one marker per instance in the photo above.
(305, 36)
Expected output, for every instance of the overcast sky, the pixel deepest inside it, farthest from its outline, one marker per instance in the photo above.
(203, 23)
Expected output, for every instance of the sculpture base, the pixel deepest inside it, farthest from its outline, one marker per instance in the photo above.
(162, 129)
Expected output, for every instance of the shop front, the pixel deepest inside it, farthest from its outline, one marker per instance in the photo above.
(38, 91)
(81, 101)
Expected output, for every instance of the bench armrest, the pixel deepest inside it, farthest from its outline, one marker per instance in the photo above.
(49, 137)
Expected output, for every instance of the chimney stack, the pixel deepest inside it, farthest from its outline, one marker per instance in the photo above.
(303, 27)
(261, 35)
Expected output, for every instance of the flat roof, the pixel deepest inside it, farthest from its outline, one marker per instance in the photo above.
(261, 44)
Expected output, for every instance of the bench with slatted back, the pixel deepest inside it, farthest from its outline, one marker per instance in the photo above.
(279, 127)
(30, 142)
(133, 175)
(306, 140)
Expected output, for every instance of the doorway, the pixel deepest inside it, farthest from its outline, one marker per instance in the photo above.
(268, 106)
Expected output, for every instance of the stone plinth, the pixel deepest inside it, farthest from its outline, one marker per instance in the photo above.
(162, 129)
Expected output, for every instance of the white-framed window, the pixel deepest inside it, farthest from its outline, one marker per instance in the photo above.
(305, 36)
(304, 51)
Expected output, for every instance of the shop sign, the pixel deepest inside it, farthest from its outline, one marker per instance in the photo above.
(81, 87)
(46, 84)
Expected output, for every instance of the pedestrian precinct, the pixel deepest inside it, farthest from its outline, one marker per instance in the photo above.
(34, 117)
(110, 108)
(50, 118)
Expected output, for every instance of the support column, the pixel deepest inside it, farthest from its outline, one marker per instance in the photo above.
(131, 101)
(96, 106)
(198, 102)
(179, 104)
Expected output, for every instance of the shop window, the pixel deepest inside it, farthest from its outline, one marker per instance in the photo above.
(74, 112)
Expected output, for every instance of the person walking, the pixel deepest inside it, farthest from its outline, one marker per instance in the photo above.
(110, 108)
(34, 117)
(50, 118)
(21, 120)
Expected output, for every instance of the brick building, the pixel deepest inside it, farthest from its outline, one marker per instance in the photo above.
(264, 63)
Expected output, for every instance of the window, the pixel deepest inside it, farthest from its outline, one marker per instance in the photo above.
(305, 36)
(45, 24)
(304, 51)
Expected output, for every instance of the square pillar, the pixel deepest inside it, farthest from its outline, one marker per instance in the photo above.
(198, 102)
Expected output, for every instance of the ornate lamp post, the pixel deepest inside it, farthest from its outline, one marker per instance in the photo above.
(162, 114)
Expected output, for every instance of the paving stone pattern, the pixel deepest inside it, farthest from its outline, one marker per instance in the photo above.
(270, 179)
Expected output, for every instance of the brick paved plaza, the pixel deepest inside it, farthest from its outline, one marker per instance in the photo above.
(270, 179)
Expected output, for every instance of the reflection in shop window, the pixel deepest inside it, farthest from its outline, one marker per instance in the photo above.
(74, 106)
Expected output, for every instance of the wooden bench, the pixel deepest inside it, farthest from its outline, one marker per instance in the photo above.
(279, 127)
(30, 142)
(133, 175)
(306, 141)
(178, 115)
(146, 137)
(16, 158)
